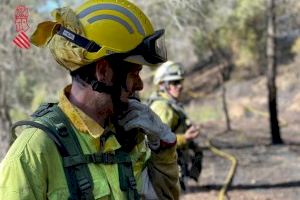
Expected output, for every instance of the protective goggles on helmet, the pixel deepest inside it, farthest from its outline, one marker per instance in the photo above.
(151, 51)
(176, 82)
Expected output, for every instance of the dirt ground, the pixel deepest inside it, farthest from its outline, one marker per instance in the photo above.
(264, 172)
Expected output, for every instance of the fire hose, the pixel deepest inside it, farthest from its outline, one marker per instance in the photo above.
(232, 169)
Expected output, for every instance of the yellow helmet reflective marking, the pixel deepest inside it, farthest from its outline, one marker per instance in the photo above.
(113, 7)
(111, 17)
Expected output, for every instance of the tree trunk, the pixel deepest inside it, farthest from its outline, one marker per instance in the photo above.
(271, 74)
(224, 99)
(224, 63)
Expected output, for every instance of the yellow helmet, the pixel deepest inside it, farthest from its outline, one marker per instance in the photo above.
(101, 28)
(169, 71)
(118, 26)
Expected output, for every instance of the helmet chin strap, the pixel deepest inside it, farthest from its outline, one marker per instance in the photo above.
(119, 107)
(114, 91)
(120, 78)
(101, 87)
(126, 142)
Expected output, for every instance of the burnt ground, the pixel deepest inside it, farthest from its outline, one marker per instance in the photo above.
(264, 172)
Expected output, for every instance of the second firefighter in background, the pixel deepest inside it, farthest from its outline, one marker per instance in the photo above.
(165, 102)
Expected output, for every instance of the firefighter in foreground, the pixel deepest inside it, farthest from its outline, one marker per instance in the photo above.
(97, 142)
(165, 103)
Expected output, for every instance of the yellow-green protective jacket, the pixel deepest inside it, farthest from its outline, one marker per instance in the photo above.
(171, 114)
(32, 168)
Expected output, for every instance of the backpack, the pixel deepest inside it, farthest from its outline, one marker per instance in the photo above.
(50, 118)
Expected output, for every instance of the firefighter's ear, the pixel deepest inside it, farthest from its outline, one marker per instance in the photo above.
(104, 72)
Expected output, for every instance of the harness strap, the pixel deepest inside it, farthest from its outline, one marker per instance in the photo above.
(47, 130)
(80, 175)
(126, 177)
(54, 123)
(73, 185)
(103, 158)
(177, 109)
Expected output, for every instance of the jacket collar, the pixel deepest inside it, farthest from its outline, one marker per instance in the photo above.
(79, 119)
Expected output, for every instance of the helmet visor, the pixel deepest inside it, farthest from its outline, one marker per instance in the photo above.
(152, 49)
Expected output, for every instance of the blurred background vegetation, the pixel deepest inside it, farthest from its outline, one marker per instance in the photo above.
(202, 34)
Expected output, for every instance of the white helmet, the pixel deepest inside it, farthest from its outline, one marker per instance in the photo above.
(169, 71)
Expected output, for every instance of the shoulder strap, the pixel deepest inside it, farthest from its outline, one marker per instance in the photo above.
(77, 161)
(57, 127)
(180, 112)
(156, 97)
(174, 105)
(79, 178)
(46, 129)
(80, 184)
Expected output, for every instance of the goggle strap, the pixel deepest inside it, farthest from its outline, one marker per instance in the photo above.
(83, 42)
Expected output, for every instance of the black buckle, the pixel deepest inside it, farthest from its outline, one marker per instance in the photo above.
(96, 158)
(42, 110)
(105, 158)
(84, 184)
(132, 182)
(62, 129)
(108, 158)
(92, 46)
(95, 85)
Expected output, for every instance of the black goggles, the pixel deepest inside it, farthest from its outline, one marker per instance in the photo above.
(176, 82)
(151, 51)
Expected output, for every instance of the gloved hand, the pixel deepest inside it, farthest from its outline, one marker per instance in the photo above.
(140, 116)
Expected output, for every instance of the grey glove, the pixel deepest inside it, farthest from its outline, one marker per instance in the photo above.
(140, 116)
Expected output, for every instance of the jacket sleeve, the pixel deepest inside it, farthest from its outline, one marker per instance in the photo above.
(162, 166)
(163, 173)
(181, 141)
(21, 175)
